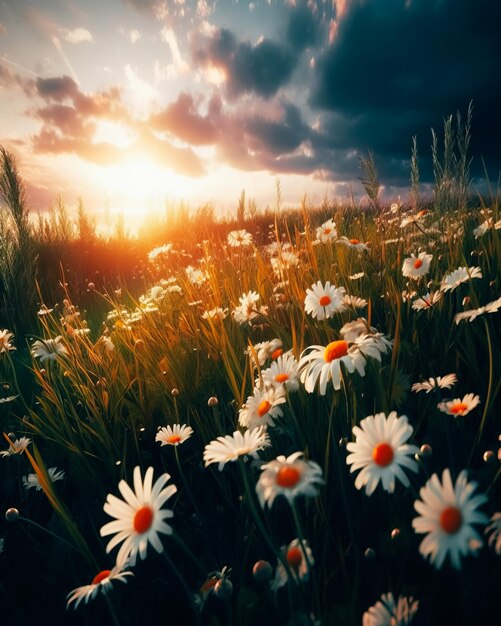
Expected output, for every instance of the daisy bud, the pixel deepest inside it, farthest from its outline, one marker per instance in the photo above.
(262, 571)
(488, 456)
(91, 287)
(466, 300)
(369, 554)
(425, 450)
(223, 589)
(395, 534)
(11, 436)
(174, 393)
(212, 401)
(11, 515)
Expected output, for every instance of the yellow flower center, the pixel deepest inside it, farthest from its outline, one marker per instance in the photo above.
(287, 477)
(451, 520)
(263, 408)
(101, 576)
(382, 454)
(335, 350)
(281, 378)
(324, 301)
(294, 557)
(458, 409)
(143, 519)
(174, 439)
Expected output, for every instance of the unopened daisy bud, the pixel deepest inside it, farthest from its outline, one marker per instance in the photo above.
(11, 515)
(395, 534)
(369, 554)
(466, 300)
(91, 286)
(223, 589)
(425, 450)
(212, 401)
(11, 435)
(262, 571)
(488, 456)
(174, 393)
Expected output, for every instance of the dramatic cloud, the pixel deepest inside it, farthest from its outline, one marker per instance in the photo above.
(182, 120)
(396, 69)
(261, 68)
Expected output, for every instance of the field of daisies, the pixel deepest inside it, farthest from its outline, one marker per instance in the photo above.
(302, 431)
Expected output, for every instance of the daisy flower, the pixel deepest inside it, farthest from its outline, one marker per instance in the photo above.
(196, 276)
(239, 238)
(326, 232)
(230, 447)
(216, 313)
(285, 261)
(459, 407)
(262, 408)
(357, 276)
(31, 480)
(323, 364)
(18, 446)
(494, 529)
(173, 435)
(351, 330)
(491, 307)
(299, 558)
(101, 583)
(264, 351)
(440, 382)
(139, 519)
(427, 301)
(482, 228)
(353, 243)
(246, 312)
(48, 349)
(283, 371)
(372, 345)
(290, 477)
(458, 276)
(387, 612)
(380, 452)
(5, 341)
(322, 301)
(417, 266)
(447, 513)
(162, 251)
(44, 310)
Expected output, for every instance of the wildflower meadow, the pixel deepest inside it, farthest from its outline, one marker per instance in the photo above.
(293, 419)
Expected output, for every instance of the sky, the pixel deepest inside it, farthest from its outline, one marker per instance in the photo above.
(135, 104)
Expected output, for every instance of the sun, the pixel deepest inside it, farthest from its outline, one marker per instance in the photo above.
(139, 183)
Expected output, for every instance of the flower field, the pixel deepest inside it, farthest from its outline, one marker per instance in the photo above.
(300, 430)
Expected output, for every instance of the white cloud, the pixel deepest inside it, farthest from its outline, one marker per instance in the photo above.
(204, 8)
(141, 94)
(77, 35)
(179, 66)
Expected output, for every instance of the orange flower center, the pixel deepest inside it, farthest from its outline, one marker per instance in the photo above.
(287, 476)
(354, 242)
(174, 439)
(324, 301)
(382, 454)
(263, 408)
(417, 264)
(143, 519)
(294, 557)
(458, 408)
(335, 350)
(281, 378)
(276, 353)
(327, 231)
(209, 584)
(101, 576)
(451, 520)
(422, 213)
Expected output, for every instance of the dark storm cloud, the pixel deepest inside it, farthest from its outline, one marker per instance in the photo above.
(397, 68)
(277, 136)
(261, 69)
(57, 88)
